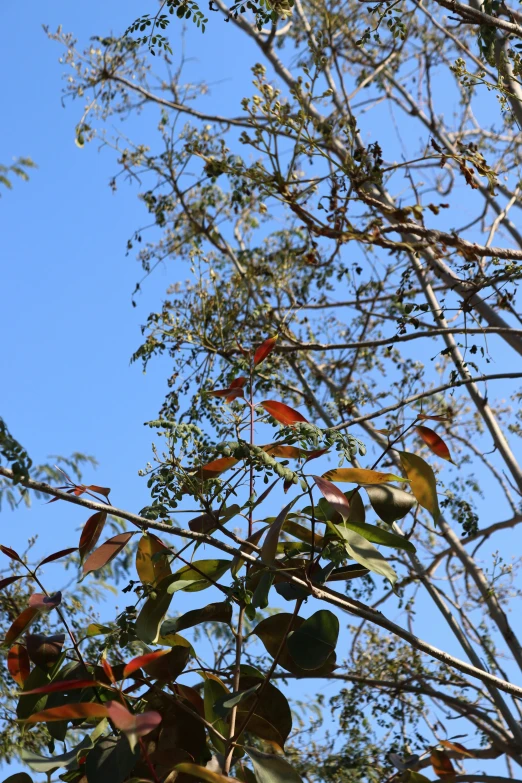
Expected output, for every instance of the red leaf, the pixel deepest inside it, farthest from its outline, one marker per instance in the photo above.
(91, 532)
(64, 686)
(18, 664)
(57, 555)
(70, 712)
(8, 581)
(142, 660)
(282, 413)
(105, 491)
(333, 495)
(230, 394)
(434, 442)
(264, 350)
(106, 552)
(10, 553)
(44, 603)
(238, 383)
(21, 624)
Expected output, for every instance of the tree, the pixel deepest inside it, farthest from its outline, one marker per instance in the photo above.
(345, 301)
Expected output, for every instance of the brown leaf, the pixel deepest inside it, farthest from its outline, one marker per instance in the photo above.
(264, 350)
(57, 555)
(10, 553)
(441, 764)
(44, 651)
(91, 532)
(334, 496)
(106, 552)
(456, 747)
(282, 413)
(105, 491)
(434, 442)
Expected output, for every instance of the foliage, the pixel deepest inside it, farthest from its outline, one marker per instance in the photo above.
(328, 286)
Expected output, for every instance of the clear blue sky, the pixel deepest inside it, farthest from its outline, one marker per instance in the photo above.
(67, 324)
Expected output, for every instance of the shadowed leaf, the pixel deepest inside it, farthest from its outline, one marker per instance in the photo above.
(390, 503)
(91, 532)
(269, 768)
(21, 624)
(106, 552)
(312, 644)
(18, 664)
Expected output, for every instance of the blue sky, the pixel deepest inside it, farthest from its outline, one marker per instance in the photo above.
(66, 317)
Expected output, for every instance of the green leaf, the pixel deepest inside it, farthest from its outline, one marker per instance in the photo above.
(226, 702)
(379, 536)
(389, 502)
(213, 691)
(111, 761)
(152, 613)
(314, 642)
(423, 483)
(29, 704)
(219, 612)
(269, 548)
(269, 768)
(260, 597)
(202, 773)
(19, 777)
(197, 576)
(364, 553)
(272, 631)
(46, 764)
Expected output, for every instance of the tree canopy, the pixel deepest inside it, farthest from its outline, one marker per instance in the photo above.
(343, 254)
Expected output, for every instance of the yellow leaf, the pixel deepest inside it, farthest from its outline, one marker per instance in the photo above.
(423, 484)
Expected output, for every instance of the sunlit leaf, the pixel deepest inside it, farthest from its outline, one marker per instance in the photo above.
(152, 560)
(198, 575)
(456, 747)
(142, 660)
(215, 468)
(133, 726)
(360, 476)
(364, 553)
(337, 499)
(63, 686)
(106, 552)
(69, 712)
(379, 536)
(423, 483)
(282, 413)
(18, 664)
(264, 350)
(313, 643)
(434, 442)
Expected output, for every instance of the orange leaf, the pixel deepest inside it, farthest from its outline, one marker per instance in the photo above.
(105, 491)
(142, 660)
(215, 468)
(91, 532)
(106, 552)
(18, 664)
(456, 747)
(434, 442)
(21, 624)
(264, 350)
(441, 764)
(69, 712)
(239, 382)
(424, 416)
(282, 413)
